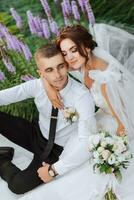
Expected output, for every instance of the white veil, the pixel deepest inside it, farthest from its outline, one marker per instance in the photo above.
(120, 89)
(118, 42)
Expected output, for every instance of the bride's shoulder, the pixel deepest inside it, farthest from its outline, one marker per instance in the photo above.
(105, 73)
(101, 64)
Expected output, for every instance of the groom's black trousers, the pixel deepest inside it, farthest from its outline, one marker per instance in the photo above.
(27, 135)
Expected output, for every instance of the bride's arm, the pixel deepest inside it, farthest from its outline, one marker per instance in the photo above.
(53, 95)
(121, 128)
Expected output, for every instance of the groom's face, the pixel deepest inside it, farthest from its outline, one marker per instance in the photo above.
(54, 70)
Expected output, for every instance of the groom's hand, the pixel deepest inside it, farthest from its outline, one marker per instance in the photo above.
(43, 173)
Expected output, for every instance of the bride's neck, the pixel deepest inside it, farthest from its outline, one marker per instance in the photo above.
(91, 63)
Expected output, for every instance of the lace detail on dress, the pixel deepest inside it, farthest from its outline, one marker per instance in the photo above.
(112, 73)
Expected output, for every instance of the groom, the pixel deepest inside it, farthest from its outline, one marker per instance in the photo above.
(58, 145)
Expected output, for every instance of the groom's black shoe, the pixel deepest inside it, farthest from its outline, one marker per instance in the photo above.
(6, 154)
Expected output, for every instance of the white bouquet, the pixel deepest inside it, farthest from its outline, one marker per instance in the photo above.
(109, 154)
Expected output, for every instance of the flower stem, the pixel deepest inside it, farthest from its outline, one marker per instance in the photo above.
(110, 195)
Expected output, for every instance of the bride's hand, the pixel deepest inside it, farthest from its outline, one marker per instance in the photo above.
(53, 95)
(120, 130)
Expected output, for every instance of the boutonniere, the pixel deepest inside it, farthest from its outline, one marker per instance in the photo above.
(70, 114)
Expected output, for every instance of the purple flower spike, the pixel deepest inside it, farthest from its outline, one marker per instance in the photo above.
(45, 29)
(26, 51)
(90, 13)
(75, 10)
(2, 76)
(66, 20)
(27, 77)
(16, 17)
(3, 30)
(54, 27)
(31, 22)
(46, 7)
(68, 8)
(9, 65)
(81, 4)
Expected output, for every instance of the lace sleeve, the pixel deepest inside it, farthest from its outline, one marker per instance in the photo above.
(112, 73)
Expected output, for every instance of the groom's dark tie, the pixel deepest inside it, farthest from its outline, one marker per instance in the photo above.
(52, 131)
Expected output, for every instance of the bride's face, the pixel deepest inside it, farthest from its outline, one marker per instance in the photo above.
(71, 54)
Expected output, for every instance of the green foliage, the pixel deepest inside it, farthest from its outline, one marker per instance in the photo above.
(120, 13)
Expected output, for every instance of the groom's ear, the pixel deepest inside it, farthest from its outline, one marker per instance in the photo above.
(40, 73)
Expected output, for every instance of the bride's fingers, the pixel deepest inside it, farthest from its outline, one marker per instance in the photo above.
(56, 104)
(59, 97)
(60, 100)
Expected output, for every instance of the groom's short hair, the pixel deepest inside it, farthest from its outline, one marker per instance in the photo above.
(47, 51)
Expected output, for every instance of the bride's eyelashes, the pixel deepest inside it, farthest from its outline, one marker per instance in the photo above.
(73, 50)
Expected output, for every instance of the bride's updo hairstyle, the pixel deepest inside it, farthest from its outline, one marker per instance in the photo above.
(80, 36)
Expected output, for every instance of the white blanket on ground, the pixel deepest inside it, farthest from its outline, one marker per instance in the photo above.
(21, 161)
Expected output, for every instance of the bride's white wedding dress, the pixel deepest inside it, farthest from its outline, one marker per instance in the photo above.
(118, 42)
(82, 183)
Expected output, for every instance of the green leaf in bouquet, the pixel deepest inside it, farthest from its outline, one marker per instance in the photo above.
(110, 147)
(106, 168)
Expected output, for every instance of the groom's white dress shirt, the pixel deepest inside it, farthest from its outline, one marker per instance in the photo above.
(73, 137)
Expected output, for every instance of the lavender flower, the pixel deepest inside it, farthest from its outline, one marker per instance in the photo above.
(54, 27)
(3, 30)
(38, 25)
(31, 22)
(9, 65)
(66, 20)
(26, 51)
(12, 42)
(45, 29)
(27, 77)
(90, 13)
(75, 10)
(67, 6)
(46, 8)
(2, 76)
(16, 17)
(34, 24)
(81, 4)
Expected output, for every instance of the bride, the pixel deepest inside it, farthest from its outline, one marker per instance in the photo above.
(111, 86)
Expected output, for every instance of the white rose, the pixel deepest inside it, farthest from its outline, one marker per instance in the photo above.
(66, 114)
(71, 110)
(96, 155)
(109, 140)
(100, 149)
(96, 160)
(103, 134)
(96, 140)
(121, 158)
(120, 147)
(74, 118)
(111, 159)
(105, 154)
(103, 143)
(128, 155)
